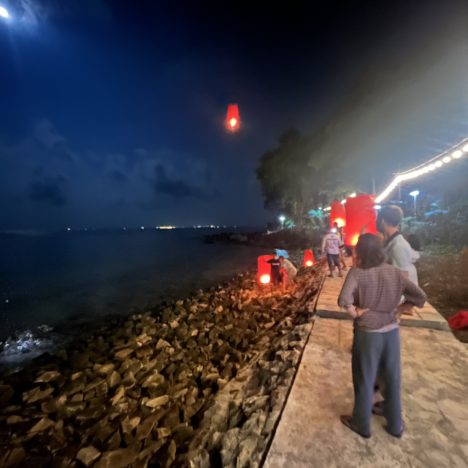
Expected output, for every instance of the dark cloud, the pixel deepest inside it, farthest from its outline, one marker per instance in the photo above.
(117, 176)
(176, 188)
(46, 133)
(50, 138)
(48, 190)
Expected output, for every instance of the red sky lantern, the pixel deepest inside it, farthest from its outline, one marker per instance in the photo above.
(232, 118)
(360, 218)
(337, 214)
(309, 259)
(264, 269)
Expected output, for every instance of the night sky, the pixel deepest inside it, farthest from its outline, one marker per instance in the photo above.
(111, 113)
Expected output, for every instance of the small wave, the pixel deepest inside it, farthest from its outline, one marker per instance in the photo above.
(26, 345)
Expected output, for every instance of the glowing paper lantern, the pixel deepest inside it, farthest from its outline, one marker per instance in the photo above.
(337, 214)
(264, 269)
(232, 118)
(309, 259)
(360, 218)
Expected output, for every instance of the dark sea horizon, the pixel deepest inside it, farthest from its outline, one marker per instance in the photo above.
(57, 278)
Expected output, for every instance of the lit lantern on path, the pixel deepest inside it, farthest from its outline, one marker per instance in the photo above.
(232, 118)
(360, 218)
(264, 269)
(337, 214)
(308, 258)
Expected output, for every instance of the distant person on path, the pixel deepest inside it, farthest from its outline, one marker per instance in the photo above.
(371, 294)
(339, 231)
(331, 248)
(398, 250)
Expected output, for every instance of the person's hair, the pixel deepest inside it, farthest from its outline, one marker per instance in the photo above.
(369, 251)
(391, 214)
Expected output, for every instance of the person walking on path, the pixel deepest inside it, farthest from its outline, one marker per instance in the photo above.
(399, 252)
(371, 294)
(339, 232)
(331, 248)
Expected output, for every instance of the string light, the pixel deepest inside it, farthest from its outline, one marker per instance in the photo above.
(433, 164)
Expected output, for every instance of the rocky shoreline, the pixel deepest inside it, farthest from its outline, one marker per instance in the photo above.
(200, 383)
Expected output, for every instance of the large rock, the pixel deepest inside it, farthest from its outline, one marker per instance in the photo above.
(13, 457)
(120, 458)
(123, 354)
(230, 446)
(88, 455)
(36, 394)
(129, 424)
(43, 425)
(48, 376)
(157, 402)
(113, 379)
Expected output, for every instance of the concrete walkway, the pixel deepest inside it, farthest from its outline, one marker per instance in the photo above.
(435, 399)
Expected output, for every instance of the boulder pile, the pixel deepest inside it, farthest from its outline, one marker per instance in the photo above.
(200, 382)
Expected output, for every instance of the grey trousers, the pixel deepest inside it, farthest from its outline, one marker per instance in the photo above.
(376, 354)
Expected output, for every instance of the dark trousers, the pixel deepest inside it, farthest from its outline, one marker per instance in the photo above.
(376, 354)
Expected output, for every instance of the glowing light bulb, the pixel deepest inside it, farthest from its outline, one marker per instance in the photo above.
(309, 263)
(439, 163)
(233, 122)
(465, 148)
(447, 159)
(458, 154)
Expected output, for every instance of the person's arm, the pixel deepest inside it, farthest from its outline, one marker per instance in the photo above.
(346, 296)
(324, 241)
(413, 294)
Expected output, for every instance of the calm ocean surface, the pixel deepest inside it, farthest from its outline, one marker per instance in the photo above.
(52, 279)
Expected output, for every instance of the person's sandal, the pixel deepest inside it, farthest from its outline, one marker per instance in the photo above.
(347, 421)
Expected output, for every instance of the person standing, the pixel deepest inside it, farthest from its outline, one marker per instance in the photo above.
(398, 250)
(331, 248)
(339, 232)
(371, 294)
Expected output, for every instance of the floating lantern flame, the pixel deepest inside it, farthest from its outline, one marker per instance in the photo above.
(309, 259)
(232, 118)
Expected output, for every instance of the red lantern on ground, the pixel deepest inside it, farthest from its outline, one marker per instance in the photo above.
(309, 259)
(264, 269)
(232, 118)
(360, 218)
(337, 214)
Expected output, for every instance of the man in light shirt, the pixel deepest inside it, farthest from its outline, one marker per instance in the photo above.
(331, 248)
(398, 250)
